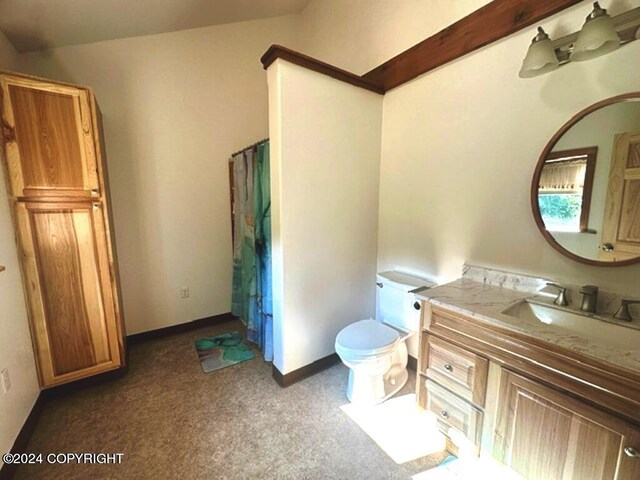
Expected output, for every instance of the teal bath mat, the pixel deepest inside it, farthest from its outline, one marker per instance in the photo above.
(222, 351)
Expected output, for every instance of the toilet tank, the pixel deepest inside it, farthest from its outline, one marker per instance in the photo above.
(394, 300)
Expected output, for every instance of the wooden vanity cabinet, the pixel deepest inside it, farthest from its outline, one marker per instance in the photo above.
(58, 194)
(525, 422)
(543, 434)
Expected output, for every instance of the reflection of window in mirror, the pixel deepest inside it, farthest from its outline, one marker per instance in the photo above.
(564, 191)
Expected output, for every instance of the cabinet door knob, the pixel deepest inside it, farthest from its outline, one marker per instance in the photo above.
(444, 414)
(448, 368)
(416, 305)
(632, 452)
(380, 284)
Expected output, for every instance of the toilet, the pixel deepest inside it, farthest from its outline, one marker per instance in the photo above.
(376, 350)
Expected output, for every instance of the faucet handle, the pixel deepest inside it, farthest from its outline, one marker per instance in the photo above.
(561, 299)
(589, 289)
(623, 312)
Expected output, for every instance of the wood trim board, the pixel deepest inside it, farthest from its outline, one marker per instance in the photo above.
(137, 338)
(284, 380)
(488, 24)
(287, 379)
(278, 51)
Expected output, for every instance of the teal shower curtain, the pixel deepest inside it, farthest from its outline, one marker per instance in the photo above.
(251, 297)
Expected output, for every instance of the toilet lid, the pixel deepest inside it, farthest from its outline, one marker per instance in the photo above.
(367, 335)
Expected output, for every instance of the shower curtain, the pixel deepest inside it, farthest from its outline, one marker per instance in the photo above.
(251, 297)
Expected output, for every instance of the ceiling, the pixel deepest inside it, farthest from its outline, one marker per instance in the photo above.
(40, 24)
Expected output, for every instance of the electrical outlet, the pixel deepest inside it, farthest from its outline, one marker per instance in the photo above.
(184, 292)
(6, 380)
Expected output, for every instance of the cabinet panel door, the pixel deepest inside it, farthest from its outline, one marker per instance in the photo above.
(68, 283)
(545, 435)
(621, 227)
(48, 139)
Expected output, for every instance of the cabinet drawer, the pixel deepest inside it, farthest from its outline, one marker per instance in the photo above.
(457, 369)
(453, 412)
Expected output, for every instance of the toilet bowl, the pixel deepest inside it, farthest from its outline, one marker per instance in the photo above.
(376, 355)
(376, 350)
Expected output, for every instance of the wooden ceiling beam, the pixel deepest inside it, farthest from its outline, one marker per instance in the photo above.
(486, 25)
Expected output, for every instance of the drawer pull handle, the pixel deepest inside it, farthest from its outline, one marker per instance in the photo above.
(380, 284)
(632, 452)
(448, 368)
(94, 192)
(444, 414)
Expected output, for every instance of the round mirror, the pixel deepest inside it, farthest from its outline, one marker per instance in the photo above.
(585, 193)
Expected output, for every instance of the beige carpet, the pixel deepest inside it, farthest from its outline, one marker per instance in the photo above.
(172, 421)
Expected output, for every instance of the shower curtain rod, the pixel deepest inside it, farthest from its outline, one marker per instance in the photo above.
(250, 146)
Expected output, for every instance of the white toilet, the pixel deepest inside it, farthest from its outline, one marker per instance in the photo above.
(376, 350)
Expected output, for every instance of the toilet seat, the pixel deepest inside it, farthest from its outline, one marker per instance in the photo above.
(366, 337)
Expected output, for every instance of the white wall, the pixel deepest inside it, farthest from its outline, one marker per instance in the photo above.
(325, 157)
(175, 107)
(359, 35)
(16, 353)
(460, 143)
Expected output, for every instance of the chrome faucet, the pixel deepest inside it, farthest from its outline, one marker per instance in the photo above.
(623, 312)
(589, 298)
(561, 299)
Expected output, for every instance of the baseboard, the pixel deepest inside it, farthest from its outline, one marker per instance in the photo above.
(8, 471)
(176, 329)
(94, 380)
(412, 363)
(284, 380)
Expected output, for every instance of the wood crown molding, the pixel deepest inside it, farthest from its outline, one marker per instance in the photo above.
(278, 51)
(486, 25)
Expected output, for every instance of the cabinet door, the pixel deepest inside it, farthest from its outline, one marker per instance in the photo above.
(545, 435)
(48, 139)
(621, 227)
(68, 283)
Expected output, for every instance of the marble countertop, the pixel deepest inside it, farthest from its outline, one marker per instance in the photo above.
(486, 302)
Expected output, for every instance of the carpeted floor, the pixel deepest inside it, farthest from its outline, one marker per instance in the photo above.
(172, 421)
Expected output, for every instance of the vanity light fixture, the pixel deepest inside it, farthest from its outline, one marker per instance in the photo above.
(597, 37)
(600, 35)
(541, 56)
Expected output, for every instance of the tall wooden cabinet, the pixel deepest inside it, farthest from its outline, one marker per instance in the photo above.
(58, 191)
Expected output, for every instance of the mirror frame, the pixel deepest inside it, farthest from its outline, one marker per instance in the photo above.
(538, 171)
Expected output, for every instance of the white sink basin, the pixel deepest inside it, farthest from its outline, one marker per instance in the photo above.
(600, 331)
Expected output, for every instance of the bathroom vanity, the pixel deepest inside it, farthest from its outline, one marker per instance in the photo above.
(549, 391)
